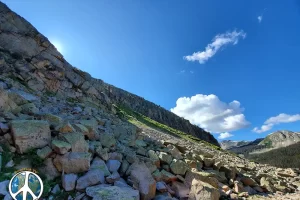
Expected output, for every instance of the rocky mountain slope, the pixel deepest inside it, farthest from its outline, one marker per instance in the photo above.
(90, 140)
(273, 141)
(247, 148)
(28, 47)
(281, 139)
(228, 144)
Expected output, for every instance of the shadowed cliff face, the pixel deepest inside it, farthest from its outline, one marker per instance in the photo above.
(29, 57)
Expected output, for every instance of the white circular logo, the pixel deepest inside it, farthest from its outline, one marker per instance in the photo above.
(26, 185)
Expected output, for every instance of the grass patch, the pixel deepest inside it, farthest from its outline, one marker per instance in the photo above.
(7, 156)
(71, 100)
(139, 119)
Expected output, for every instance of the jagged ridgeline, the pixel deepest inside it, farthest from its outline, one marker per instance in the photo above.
(33, 61)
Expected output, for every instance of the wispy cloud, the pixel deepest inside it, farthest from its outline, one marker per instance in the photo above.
(279, 119)
(260, 18)
(219, 41)
(225, 135)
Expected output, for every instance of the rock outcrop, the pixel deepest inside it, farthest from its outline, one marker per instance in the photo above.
(29, 57)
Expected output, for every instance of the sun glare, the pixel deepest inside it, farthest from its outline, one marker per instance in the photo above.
(58, 46)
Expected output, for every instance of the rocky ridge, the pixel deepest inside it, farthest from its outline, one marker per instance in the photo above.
(227, 144)
(36, 62)
(58, 120)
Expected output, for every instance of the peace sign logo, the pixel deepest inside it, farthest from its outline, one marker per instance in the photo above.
(26, 185)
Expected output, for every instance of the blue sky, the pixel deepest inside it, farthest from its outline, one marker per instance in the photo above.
(245, 69)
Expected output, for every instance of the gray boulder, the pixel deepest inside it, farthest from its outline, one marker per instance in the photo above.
(30, 134)
(108, 192)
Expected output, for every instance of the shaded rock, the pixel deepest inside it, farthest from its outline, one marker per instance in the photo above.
(181, 190)
(230, 172)
(161, 187)
(153, 156)
(175, 152)
(143, 180)
(88, 128)
(108, 192)
(113, 165)
(238, 187)
(167, 176)
(250, 190)
(208, 162)
(201, 176)
(124, 167)
(102, 153)
(178, 167)
(165, 158)
(29, 134)
(69, 181)
(157, 175)
(113, 177)
(115, 156)
(66, 128)
(107, 139)
(3, 187)
(44, 152)
(73, 162)
(55, 189)
(60, 147)
(53, 120)
(29, 108)
(100, 164)
(203, 191)
(248, 181)
(92, 177)
(77, 141)
(49, 169)
(140, 143)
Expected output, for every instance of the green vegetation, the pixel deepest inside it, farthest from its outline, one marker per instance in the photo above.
(7, 156)
(72, 100)
(267, 142)
(282, 157)
(50, 93)
(139, 119)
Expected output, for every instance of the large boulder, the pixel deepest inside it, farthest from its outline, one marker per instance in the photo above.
(201, 176)
(77, 141)
(178, 167)
(49, 169)
(92, 177)
(108, 192)
(29, 134)
(165, 158)
(203, 191)
(143, 180)
(100, 164)
(6, 103)
(73, 162)
(69, 181)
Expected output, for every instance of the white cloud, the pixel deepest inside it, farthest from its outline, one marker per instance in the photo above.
(219, 41)
(279, 119)
(211, 114)
(225, 135)
(260, 18)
